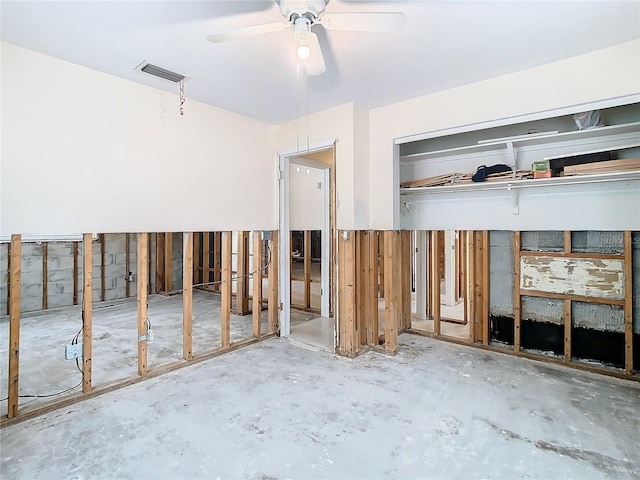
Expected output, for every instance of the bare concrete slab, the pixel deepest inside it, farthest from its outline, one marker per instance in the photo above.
(273, 410)
(43, 336)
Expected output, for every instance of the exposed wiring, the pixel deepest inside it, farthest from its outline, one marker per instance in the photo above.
(247, 275)
(74, 341)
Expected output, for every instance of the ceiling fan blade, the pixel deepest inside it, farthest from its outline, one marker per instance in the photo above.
(314, 65)
(247, 32)
(386, 22)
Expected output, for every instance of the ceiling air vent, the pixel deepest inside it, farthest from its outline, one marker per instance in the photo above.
(156, 71)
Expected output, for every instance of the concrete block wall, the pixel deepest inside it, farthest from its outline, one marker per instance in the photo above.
(176, 270)
(60, 271)
(60, 274)
(501, 268)
(586, 315)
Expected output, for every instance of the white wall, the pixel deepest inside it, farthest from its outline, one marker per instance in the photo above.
(83, 151)
(306, 200)
(603, 74)
(332, 124)
(594, 206)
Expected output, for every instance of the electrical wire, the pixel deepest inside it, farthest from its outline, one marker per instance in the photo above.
(247, 275)
(74, 341)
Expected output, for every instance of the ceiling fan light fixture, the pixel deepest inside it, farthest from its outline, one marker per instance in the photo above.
(303, 51)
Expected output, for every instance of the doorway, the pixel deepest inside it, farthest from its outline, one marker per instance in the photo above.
(306, 247)
(441, 267)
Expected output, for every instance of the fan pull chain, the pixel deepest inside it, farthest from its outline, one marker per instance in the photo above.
(181, 97)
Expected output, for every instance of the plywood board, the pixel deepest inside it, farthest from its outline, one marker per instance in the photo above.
(585, 277)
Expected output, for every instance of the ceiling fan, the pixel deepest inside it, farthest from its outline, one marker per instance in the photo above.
(302, 15)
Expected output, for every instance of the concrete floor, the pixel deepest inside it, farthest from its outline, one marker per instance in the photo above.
(43, 335)
(273, 410)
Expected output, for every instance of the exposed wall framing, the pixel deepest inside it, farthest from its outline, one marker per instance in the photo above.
(82, 264)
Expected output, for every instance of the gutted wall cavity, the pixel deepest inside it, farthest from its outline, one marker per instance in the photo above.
(502, 273)
(59, 271)
(597, 327)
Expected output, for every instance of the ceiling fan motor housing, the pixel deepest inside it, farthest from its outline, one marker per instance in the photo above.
(293, 9)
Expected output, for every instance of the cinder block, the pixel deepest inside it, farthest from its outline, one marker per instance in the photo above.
(30, 278)
(501, 238)
(542, 241)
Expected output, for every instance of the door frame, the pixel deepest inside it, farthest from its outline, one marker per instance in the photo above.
(285, 159)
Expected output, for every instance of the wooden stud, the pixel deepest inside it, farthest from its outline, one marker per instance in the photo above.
(307, 268)
(168, 261)
(14, 324)
(256, 303)
(8, 278)
(225, 302)
(406, 279)
(567, 307)
(127, 263)
(196, 258)
(434, 277)
(363, 300)
(381, 257)
(470, 284)
(242, 269)
(150, 257)
(143, 251)
(372, 296)
(206, 255)
(87, 314)
(517, 317)
(217, 258)
(478, 317)
(159, 262)
(273, 298)
(391, 307)
(187, 296)
(578, 298)
(567, 241)
(603, 256)
(567, 330)
(103, 283)
(348, 340)
(75, 273)
(45, 275)
(628, 304)
(486, 333)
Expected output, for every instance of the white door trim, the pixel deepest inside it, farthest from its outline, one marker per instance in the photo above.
(285, 159)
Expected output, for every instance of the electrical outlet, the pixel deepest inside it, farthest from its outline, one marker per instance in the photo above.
(151, 336)
(73, 351)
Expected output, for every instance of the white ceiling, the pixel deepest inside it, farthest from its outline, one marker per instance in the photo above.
(445, 44)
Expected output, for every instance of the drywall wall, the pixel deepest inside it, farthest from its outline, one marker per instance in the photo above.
(321, 128)
(306, 198)
(603, 74)
(360, 168)
(83, 151)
